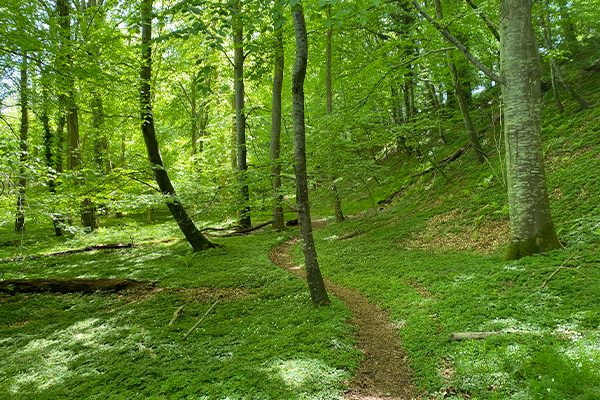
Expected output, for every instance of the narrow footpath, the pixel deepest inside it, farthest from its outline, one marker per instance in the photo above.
(384, 372)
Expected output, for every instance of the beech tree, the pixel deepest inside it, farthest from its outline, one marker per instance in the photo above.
(23, 145)
(187, 226)
(240, 111)
(275, 140)
(531, 227)
(314, 278)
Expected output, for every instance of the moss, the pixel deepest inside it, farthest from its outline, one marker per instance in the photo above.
(544, 241)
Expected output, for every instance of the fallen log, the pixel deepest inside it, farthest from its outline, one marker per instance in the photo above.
(70, 285)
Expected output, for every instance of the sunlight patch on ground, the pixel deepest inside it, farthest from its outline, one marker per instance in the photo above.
(310, 375)
(511, 323)
(584, 350)
(49, 360)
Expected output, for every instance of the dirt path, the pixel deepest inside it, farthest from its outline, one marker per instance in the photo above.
(384, 372)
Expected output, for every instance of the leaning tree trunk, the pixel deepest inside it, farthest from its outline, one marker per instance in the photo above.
(23, 132)
(240, 113)
(316, 285)
(191, 233)
(275, 144)
(531, 227)
(461, 96)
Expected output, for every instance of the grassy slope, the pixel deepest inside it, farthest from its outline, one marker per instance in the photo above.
(266, 342)
(406, 259)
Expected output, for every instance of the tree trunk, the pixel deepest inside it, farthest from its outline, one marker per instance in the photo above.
(89, 217)
(399, 119)
(194, 112)
(240, 113)
(191, 233)
(275, 144)
(23, 148)
(316, 285)
(68, 98)
(49, 142)
(461, 97)
(101, 150)
(337, 203)
(555, 71)
(531, 227)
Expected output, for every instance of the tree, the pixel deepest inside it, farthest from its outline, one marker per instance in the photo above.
(314, 278)
(531, 227)
(240, 111)
(23, 148)
(187, 226)
(337, 204)
(461, 96)
(67, 98)
(275, 142)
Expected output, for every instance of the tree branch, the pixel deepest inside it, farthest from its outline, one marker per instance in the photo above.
(446, 33)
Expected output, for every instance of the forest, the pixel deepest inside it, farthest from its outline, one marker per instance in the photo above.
(300, 199)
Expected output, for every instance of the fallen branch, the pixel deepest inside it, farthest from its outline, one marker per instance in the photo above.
(176, 314)
(458, 336)
(557, 270)
(452, 157)
(197, 324)
(237, 232)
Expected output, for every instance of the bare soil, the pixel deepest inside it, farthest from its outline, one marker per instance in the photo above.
(384, 372)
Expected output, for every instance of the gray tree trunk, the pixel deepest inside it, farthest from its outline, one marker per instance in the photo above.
(275, 144)
(314, 278)
(187, 226)
(337, 203)
(23, 148)
(240, 113)
(531, 227)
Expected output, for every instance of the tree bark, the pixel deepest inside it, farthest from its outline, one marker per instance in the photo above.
(240, 112)
(194, 112)
(187, 226)
(48, 137)
(23, 148)
(337, 203)
(461, 96)
(313, 273)
(275, 143)
(68, 99)
(531, 227)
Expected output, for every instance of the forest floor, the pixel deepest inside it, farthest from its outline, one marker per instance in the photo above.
(384, 372)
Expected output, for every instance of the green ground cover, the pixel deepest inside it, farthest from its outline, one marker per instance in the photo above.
(263, 340)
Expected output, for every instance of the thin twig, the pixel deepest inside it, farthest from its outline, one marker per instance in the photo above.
(557, 270)
(197, 324)
(176, 314)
